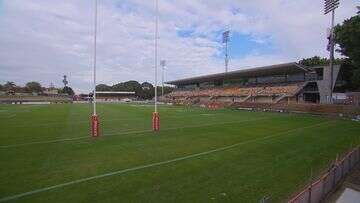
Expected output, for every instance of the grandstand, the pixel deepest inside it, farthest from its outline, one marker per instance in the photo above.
(281, 83)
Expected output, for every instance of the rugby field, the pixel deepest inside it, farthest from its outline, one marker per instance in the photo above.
(47, 154)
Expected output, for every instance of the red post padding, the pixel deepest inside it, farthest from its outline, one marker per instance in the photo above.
(95, 126)
(156, 121)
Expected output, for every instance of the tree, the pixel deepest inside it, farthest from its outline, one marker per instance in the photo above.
(147, 91)
(146, 85)
(168, 89)
(314, 61)
(318, 61)
(33, 87)
(129, 86)
(347, 36)
(132, 86)
(103, 87)
(118, 87)
(9, 86)
(345, 76)
(68, 90)
(1, 87)
(142, 91)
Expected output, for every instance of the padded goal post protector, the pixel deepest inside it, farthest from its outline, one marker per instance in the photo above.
(95, 126)
(156, 121)
(213, 106)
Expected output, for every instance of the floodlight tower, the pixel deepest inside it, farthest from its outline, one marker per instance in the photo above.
(330, 6)
(163, 64)
(65, 81)
(94, 117)
(156, 116)
(226, 37)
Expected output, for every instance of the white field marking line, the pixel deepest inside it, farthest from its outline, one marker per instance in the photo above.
(79, 122)
(124, 133)
(88, 121)
(11, 115)
(153, 164)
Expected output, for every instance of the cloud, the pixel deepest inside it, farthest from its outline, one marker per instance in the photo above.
(43, 40)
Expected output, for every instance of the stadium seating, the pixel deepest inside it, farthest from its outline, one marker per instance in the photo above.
(278, 90)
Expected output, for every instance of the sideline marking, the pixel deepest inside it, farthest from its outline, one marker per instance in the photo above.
(124, 133)
(153, 164)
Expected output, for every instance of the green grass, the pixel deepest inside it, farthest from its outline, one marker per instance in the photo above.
(271, 154)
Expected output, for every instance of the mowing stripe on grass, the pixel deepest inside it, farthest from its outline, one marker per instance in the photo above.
(88, 121)
(17, 196)
(57, 123)
(124, 133)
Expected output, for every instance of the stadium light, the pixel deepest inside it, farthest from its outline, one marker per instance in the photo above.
(163, 64)
(226, 38)
(94, 117)
(330, 6)
(156, 116)
(65, 81)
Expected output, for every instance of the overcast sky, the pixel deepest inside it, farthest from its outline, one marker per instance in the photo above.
(43, 40)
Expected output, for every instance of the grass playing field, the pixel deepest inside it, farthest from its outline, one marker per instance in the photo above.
(47, 155)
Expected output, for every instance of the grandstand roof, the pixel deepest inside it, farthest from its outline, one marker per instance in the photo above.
(277, 69)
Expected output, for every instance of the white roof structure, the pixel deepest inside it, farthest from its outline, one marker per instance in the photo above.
(109, 92)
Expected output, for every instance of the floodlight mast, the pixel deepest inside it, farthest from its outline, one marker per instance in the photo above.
(330, 6)
(65, 81)
(226, 40)
(156, 117)
(94, 118)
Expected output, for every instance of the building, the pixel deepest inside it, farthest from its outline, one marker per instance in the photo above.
(114, 96)
(289, 82)
(50, 91)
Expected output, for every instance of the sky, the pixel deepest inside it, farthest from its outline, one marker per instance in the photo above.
(42, 40)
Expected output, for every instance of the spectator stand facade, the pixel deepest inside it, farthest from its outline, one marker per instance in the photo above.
(281, 83)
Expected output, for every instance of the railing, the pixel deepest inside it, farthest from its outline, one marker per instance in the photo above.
(318, 190)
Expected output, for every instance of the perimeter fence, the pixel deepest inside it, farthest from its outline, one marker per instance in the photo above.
(316, 192)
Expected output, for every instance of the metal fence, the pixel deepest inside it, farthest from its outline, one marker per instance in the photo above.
(318, 190)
